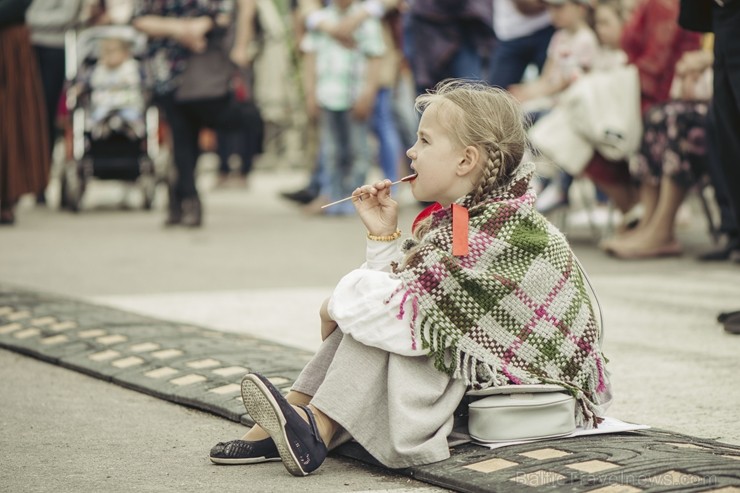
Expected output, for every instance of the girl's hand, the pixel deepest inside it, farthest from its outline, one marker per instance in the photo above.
(327, 324)
(377, 210)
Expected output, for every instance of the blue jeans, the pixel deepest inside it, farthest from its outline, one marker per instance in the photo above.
(510, 58)
(384, 127)
(467, 64)
(344, 144)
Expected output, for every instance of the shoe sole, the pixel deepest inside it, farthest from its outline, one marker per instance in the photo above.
(265, 411)
(250, 460)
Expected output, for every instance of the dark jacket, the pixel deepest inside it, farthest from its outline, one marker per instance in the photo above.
(13, 12)
(696, 15)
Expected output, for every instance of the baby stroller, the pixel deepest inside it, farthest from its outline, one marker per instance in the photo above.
(120, 143)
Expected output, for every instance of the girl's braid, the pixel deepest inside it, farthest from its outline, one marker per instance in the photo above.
(491, 171)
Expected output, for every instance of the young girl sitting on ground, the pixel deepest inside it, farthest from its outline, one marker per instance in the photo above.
(486, 293)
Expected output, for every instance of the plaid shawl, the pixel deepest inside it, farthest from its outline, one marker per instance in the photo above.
(515, 310)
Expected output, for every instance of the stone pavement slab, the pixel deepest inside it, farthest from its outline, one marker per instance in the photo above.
(202, 368)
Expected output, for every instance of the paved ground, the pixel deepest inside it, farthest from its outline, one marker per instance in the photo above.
(62, 431)
(672, 365)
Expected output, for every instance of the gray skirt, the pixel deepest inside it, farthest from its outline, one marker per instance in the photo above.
(399, 408)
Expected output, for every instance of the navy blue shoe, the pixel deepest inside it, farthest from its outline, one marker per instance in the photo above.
(244, 452)
(298, 443)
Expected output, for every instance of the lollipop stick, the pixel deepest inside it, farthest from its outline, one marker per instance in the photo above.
(405, 178)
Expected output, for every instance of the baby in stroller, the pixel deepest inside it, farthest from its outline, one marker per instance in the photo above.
(115, 84)
(113, 131)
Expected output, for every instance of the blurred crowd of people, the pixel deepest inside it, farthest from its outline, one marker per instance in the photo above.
(361, 64)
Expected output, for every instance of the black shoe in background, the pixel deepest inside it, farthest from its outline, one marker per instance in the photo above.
(192, 215)
(730, 251)
(731, 321)
(303, 196)
(174, 213)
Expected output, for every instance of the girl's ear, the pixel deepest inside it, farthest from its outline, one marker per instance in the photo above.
(471, 155)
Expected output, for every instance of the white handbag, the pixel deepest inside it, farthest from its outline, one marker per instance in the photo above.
(521, 412)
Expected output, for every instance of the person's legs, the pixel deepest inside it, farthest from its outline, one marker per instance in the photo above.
(247, 150)
(621, 194)
(660, 225)
(311, 191)
(384, 127)
(305, 386)
(656, 237)
(184, 129)
(659, 167)
(726, 104)
(331, 135)
(507, 63)
(51, 70)
(359, 153)
(511, 57)
(238, 126)
(466, 64)
(728, 226)
(406, 117)
(649, 197)
(224, 150)
(539, 42)
(256, 433)
(726, 100)
(282, 433)
(252, 135)
(613, 178)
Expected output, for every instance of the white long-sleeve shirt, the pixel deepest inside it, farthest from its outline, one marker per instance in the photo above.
(361, 306)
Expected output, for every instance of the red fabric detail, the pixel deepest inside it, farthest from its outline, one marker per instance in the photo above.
(654, 42)
(460, 219)
(601, 170)
(241, 89)
(425, 213)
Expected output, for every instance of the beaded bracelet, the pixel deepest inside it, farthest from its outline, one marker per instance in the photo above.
(392, 237)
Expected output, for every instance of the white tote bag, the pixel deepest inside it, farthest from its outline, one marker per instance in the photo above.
(604, 108)
(556, 138)
(600, 111)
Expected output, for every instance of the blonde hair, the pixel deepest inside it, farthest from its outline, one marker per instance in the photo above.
(490, 119)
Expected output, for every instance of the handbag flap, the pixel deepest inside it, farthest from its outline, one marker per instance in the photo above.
(517, 389)
(520, 400)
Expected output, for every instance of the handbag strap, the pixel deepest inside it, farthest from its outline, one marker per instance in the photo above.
(595, 298)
